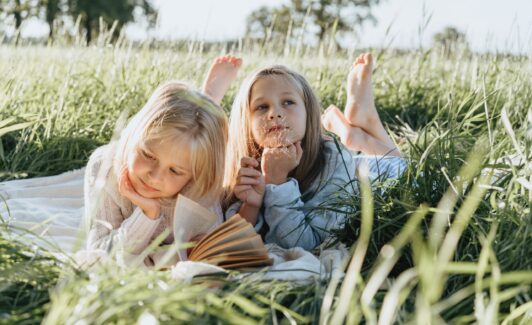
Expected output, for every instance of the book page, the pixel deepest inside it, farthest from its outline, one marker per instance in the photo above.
(191, 219)
(234, 222)
(244, 231)
(215, 237)
(238, 245)
(248, 264)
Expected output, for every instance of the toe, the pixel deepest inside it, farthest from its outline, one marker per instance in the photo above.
(368, 58)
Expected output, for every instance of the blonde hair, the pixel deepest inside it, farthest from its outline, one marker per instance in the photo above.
(241, 142)
(176, 111)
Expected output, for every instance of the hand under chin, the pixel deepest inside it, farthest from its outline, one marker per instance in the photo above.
(277, 141)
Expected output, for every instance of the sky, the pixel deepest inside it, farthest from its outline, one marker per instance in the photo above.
(490, 25)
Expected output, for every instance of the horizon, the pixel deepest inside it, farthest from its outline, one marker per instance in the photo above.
(400, 24)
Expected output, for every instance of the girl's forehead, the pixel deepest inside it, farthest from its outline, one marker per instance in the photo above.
(169, 142)
(275, 81)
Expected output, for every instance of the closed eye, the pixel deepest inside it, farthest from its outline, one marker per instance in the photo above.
(175, 172)
(147, 155)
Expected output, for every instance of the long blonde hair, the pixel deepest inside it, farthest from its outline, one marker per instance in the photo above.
(241, 142)
(175, 110)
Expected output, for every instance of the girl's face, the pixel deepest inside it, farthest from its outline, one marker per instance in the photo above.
(159, 168)
(277, 112)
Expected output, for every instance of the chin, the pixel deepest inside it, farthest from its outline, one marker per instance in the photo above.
(276, 141)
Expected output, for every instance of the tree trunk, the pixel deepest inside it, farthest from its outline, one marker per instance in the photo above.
(88, 28)
(18, 21)
(52, 8)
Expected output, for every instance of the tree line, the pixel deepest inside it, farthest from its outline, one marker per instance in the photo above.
(89, 13)
(305, 20)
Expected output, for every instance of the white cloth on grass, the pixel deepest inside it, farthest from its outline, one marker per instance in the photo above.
(293, 264)
(53, 208)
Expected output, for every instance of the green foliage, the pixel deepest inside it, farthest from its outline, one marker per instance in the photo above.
(117, 12)
(448, 242)
(450, 39)
(308, 17)
(27, 274)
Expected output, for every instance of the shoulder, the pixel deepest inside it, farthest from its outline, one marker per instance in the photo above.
(99, 173)
(337, 157)
(337, 168)
(100, 159)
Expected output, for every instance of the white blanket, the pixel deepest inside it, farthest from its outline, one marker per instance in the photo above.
(52, 207)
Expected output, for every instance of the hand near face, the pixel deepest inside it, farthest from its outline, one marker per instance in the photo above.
(250, 184)
(278, 162)
(150, 207)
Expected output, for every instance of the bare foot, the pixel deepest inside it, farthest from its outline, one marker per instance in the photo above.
(351, 136)
(360, 108)
(221, 73)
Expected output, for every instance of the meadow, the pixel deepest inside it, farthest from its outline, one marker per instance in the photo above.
(450, 242)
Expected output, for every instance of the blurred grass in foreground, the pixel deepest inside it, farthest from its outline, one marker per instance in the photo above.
(449, 242)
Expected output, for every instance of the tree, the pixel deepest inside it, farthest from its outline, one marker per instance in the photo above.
(50, 10)
(20, 10)
(269, 22)
(319, 15)
(450, 39)
(121, 11)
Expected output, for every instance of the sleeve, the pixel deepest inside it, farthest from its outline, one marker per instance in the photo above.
(293, 222)
(382, 170)
(109, 227)
(235, 208)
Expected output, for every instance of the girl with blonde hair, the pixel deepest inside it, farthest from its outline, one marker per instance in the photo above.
(174, 145)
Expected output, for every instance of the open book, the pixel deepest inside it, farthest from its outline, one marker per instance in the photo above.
(233, 244)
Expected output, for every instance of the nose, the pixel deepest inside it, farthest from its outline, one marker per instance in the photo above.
(275, 112)
(155, 175)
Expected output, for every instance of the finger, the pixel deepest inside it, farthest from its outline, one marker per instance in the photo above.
(122, 180)
(242, 180)
(248, 162)
(241, 191)
(279, 152)
(251, 172)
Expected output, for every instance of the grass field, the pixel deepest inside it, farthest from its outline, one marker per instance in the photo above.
(450, 242)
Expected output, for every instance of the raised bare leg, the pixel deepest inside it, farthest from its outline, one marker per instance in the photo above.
(221, 73)
(360, 110)
(354, 138)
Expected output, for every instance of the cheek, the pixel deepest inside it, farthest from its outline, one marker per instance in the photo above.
(177, 185)
(136, 164)
(302, 123)
(257, 129)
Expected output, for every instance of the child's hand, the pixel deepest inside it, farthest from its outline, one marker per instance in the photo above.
(150, 207)
(277, 163)
(250, 184)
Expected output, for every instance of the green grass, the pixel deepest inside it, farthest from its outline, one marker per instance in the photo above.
(449, 242)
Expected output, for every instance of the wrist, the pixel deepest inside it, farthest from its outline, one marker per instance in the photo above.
(249, 212)
(275, 179)
(152, 213)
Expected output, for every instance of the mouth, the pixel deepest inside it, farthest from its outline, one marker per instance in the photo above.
(148, 187)
(277, 128)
